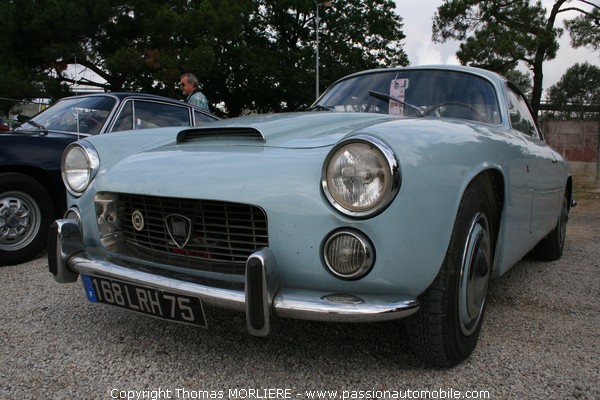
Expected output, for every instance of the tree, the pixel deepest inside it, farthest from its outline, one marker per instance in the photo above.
(585, 29)
(256, 54)
(353, 35)
(32, 45)
(521, 80)
(577, 94)
(127, 44)
(498, 35)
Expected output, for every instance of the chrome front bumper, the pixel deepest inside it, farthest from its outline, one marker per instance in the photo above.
(262, 300)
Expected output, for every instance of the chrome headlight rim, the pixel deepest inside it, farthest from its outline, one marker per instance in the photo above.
(392, 186)
(92, 165)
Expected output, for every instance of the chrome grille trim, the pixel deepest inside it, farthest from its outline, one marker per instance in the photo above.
(223, 234)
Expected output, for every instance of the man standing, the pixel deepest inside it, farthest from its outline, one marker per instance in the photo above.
(189, 87)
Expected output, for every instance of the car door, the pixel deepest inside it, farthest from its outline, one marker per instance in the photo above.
(545, 170)
(146, 114)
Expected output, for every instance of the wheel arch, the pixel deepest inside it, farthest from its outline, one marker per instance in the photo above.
(56, 190)
(494, 180)
(569, 191)
(446, 328)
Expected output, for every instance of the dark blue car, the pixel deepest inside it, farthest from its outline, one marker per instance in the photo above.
(32, 194)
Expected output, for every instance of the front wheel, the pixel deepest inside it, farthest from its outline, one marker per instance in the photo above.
(26, 211)
(445, 330)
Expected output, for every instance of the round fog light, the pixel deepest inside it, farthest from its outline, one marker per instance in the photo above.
(348, 254)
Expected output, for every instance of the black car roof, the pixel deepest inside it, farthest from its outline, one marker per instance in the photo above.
(130, 95)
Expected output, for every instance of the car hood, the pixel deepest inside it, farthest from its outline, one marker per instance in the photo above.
(217, 156)
(305, 130)
(240, 137)
(40, 133)
(292, 130)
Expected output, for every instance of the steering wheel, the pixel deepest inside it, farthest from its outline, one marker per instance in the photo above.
(93, 120)
(476, 114)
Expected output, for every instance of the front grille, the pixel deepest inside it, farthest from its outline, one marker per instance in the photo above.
(223, 235)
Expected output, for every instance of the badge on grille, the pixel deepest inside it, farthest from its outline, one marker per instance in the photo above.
(137, 220)
(179, 228)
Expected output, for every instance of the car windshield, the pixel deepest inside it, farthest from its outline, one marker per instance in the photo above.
(78, 115)
(421, 93)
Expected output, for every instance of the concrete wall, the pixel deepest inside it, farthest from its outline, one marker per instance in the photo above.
(579, 144)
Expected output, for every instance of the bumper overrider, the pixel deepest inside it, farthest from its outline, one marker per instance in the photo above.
(262, 298)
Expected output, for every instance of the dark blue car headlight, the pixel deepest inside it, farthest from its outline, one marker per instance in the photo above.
(361, 176)
(79, 165)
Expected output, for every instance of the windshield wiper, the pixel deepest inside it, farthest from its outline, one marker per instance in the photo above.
(384, 96)
(320, 107)
(39, 126)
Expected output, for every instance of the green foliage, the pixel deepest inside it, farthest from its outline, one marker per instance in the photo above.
(253, 55)
(577, 94)
(521, 80)
(495, 34)
(585, 29)
(500, 34)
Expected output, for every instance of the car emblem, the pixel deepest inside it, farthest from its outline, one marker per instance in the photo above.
(137, 220)
(340, 298)
(179, 228)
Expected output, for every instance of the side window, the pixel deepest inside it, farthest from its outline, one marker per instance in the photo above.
(520, 116)
(150, 114)
(124, 121)
(202, 118)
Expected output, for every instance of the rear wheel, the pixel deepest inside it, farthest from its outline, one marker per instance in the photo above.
(26, 211)
(445, 330)
(551, 247)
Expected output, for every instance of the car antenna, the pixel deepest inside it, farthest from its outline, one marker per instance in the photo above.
(76, 97)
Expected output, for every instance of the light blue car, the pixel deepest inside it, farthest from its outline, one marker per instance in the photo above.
(399, 194)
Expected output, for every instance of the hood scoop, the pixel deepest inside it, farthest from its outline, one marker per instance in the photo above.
(219, 133)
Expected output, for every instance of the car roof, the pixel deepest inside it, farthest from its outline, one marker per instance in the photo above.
(447, 67)
(130, 95)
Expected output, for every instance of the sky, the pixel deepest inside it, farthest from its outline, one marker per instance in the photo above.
(417, 16)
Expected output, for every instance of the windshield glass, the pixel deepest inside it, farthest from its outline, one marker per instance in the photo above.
(423, 93)
(78, 115)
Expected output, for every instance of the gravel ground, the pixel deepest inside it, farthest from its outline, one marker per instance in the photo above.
(540, 340)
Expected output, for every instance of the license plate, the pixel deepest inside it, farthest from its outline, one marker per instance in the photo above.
(151, 301)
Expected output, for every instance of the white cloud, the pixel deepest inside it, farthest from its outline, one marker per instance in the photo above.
(417, 16)
(428, 54)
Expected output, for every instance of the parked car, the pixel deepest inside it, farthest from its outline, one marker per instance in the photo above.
(32, 194)
(398, 195)
(4, 127)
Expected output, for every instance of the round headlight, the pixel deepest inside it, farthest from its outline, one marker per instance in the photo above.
(361, 176)
(348, 254)
(79, 165)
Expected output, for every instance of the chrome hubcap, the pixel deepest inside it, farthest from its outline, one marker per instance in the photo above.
(562, 221)
(475, 275)
(19, 220)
